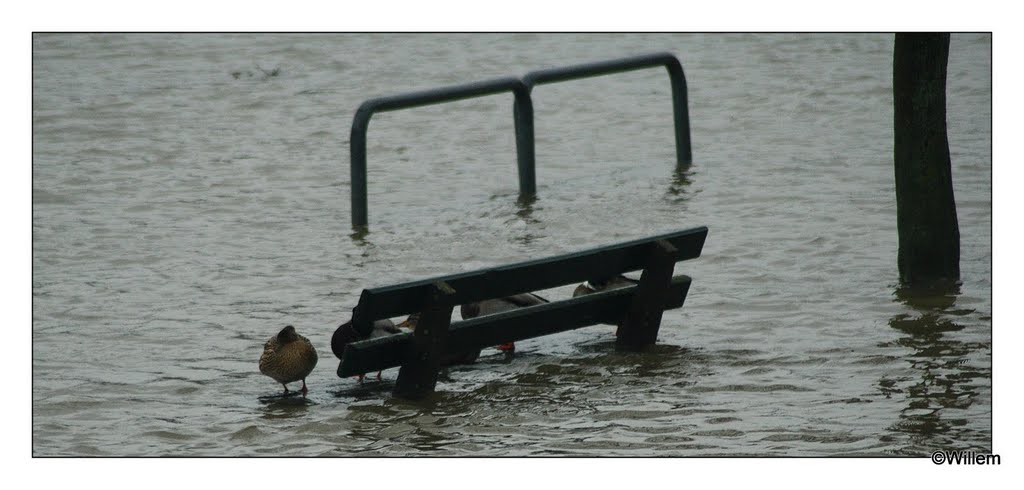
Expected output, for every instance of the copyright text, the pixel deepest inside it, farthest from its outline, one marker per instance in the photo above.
(964, 457)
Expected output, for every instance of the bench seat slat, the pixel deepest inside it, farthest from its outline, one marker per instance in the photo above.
(509, 326)
(534, 275)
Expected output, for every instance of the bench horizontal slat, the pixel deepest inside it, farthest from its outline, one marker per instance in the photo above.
(509, 326)
(534, 275)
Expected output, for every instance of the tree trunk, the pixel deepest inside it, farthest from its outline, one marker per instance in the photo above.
(929, 237)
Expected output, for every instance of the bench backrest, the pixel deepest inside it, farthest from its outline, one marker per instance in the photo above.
(636, 309)
(597, 263)
(508, 326)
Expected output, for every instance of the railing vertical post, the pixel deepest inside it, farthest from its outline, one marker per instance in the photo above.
(680, 111)
(525, 157)
(357, 143)
(524, 131)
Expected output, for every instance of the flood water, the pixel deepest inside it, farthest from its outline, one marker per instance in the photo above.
(190, 197)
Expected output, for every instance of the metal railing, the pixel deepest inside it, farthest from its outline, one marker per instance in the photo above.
(653, 60)
(524, 130)
(522, 112)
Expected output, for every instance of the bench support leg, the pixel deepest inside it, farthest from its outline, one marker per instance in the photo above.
(418, 375)
(640, 327)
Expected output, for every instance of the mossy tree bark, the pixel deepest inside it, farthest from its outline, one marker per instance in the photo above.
(929, 236)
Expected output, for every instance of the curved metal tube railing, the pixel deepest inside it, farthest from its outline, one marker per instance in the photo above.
(524, 130)
(522, 111)
(676, 77)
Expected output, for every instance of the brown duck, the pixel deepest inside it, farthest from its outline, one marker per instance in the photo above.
(288, 357)
(483, 308)
(492, 306)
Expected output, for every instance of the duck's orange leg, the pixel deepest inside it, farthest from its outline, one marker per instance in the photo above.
(508, 347)
(304, 389)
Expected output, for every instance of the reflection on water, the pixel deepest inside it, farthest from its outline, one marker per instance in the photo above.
(525, 209)
(358, 235)
(288, 406)
(419, 425)
(947, 381)
(525, 222)
(542, 405)
(681, 180)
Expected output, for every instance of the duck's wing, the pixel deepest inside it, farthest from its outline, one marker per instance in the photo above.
(270, 346)
(268, 355)
(582, 290)
(524, 300)
(383, 328)
(309, 352)
(492, 306)
(469, 310)
(621, 282)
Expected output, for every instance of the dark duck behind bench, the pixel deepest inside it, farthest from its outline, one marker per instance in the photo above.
(492, 306)
(345, 335)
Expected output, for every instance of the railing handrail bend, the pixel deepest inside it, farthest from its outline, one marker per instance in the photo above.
(677, 78)
(523, 114)
(361, 122)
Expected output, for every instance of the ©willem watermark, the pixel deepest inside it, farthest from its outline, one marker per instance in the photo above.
(964, 457)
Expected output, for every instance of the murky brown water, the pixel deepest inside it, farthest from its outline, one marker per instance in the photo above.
(188, 202)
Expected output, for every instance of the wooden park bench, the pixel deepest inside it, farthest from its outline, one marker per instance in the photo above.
(637, 309)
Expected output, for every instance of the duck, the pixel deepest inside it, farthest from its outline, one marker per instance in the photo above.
(492, 306)
(450, 358)
(288, 357)
(596, 286)
(345, 334)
